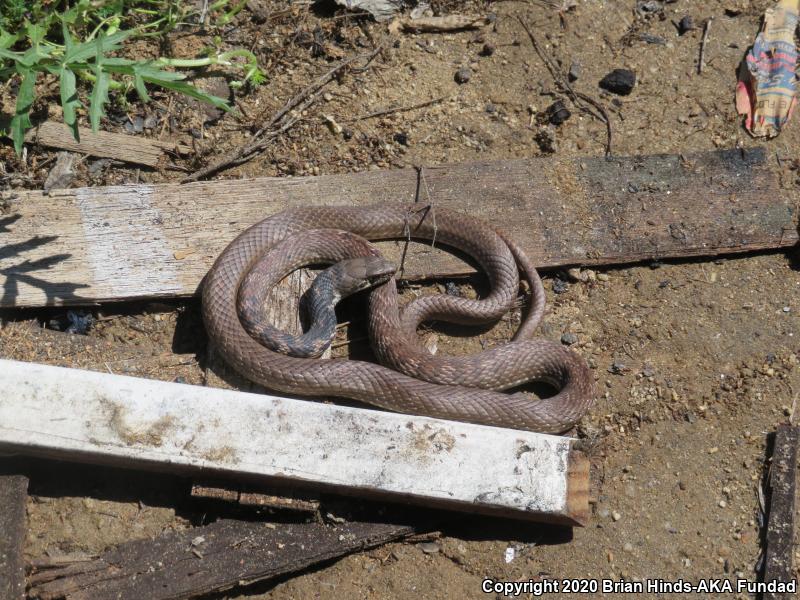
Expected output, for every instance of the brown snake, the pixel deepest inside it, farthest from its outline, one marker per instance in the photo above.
(460, 388)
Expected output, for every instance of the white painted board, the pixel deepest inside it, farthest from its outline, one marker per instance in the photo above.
(96, 417)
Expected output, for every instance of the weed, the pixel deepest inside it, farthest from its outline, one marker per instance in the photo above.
(77, 44)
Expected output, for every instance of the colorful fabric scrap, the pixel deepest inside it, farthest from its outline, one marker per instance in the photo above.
(765, 93)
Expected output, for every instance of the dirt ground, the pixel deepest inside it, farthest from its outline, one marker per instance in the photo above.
(695, 361)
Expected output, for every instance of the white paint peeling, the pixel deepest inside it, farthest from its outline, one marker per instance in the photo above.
(125, 245)
(125, 420)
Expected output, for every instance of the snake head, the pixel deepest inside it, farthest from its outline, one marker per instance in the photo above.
(364, 272)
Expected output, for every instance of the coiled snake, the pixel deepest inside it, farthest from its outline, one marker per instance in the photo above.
(413, 380)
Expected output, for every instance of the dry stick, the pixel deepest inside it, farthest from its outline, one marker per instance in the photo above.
(703, 46)
(389, 111)
(566, 88)
(268, 132)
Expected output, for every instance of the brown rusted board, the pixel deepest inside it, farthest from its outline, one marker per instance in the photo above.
(13, 499)
(129, 148)
(208, 559)
(779, 563)
(116, 243)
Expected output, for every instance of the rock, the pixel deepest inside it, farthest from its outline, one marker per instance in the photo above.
(429, 547)
(616, 516)
(488, 49)
(463, 75)
(574, 71)
(628, 547)
(62, 173)
(569, 338)
(619, 81)
(401, 138)
(557, 113)
(560, 286)
(685, 24)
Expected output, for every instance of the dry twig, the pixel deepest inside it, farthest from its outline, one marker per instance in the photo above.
(389, 111)
(282, 120)
(703, 46)
(579, 99)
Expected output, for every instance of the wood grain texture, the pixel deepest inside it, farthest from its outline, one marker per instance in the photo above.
(144, 424)
(13, 521)
(129, 148)
(208, 559)
(90, 245)
(779, 562)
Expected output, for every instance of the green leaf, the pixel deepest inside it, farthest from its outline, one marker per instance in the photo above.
(7, 39)
(35, 32)
(100, 90)
(21, 121)
(190, 90)
(106, 44)
(69, 100)
(138, 83)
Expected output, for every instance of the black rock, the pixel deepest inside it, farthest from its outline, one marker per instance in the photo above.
(557, 113)
(463, 75)
(685, 24)
(619, 81)
(488, 49)
(401, 138)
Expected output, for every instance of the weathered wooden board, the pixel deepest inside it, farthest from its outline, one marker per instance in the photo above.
(13, 500)
(86, 416)
(779, 562)
(88, 245)
(129, 148)
(208, 559)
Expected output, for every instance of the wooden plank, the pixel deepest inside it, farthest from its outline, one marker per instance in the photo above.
(13, 500)
(208, 559)
(129, 148)
(97, 417)
(125, 242)
(779, 562)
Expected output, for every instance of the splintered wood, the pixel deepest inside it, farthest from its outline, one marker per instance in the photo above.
(89, 245)
(207, 559)
(13, 500)
(145, 424)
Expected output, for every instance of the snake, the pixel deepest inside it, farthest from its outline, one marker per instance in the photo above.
(409, 379)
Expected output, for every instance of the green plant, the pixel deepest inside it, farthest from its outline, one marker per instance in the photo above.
(77, 44)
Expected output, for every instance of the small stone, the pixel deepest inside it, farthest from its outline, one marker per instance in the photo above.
(560, 286)
(490, 108)
(603, 277)
(429, 547)
(488, 49)
(509, 554)
(568, 339)
(616, 516)
(463, 75)
(574, 71)
(682, 485)
(557, 113)
(401, 138)
(685, 24)
(723, 504)
(617, 368)
(786, 309)
(628, 547)
(619, 81)
(198, 540)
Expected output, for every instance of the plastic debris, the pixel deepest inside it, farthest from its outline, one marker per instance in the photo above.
(765, 94)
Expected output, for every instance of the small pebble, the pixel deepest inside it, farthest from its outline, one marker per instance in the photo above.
(685, 24)
(574, 71)
(557, 113)
(429, 547)
(488, 49)
(628, 547)
(616, 516)
(509, 554)
(568, 339)
(619, 81)
(723, 504)
(603, 277)
(617, 368)
(463, 75)
(560, 286)
(401, 138)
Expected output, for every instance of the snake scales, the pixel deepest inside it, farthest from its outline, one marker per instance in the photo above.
(460, 388)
